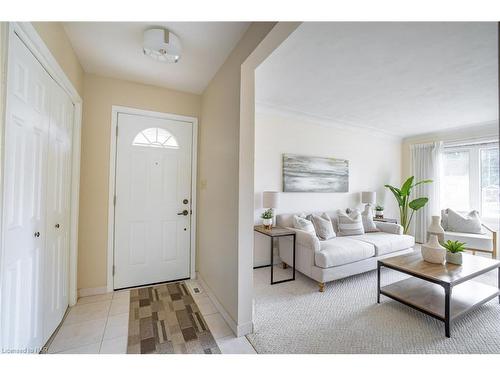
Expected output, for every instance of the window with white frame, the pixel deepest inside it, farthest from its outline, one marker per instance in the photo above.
(470, 179)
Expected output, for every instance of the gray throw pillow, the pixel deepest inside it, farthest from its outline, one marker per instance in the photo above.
(323, 226)
(465, 224)
(349, 224)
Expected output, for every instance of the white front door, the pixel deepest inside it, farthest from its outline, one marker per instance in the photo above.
(25, 169)
(152, 239)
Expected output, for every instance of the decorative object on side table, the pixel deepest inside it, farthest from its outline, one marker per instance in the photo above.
(369, 198)
(267, 218)
(454, 251)
(379, 211)
(402, 196)
(270, 201)
(432, 251)
(436, 229)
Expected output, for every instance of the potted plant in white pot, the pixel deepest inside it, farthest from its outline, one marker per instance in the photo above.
(267, 218)
(379, 211)
(454, 250)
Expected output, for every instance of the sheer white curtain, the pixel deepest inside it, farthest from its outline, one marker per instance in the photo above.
(425, 164)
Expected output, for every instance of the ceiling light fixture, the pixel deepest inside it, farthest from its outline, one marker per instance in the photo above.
(162, 45)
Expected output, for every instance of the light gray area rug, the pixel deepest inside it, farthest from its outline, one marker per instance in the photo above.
(294, 317)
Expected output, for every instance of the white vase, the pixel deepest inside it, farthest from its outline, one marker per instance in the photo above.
(433, 252)
(268, 223)
(436, 229)
(379, 213)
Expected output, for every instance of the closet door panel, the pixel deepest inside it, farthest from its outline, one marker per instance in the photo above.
(25, 168)
(58, 208)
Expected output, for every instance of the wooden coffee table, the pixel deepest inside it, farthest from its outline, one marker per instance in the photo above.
(444, 292)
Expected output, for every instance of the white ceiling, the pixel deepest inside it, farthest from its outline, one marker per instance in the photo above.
(114, 49)
(400, 78)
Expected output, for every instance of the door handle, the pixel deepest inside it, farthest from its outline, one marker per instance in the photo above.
(57, 226)
(183, 213)
(37, 234)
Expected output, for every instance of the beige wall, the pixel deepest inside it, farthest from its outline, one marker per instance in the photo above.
(98, 96)
(54, 36)
(218, 174)
(459, 134)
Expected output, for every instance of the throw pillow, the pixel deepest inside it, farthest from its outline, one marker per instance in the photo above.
(444, 219)
(350, 224)
(323, 226)
(465, 224)
(368, 223)
(303, 224)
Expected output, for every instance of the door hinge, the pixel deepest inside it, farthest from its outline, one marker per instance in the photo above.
(113, 270)
(114, 200)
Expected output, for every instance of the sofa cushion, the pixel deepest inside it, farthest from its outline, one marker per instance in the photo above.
(323, 226)
(342, 250)
(349, 224)
(470, 223)
(304, 224)
(472, 240)
(368, 223)
(386, 243)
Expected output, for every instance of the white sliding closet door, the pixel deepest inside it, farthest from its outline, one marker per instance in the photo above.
(58, 209)
(37, 170)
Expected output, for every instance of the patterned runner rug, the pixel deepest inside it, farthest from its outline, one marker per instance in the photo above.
(165, 319)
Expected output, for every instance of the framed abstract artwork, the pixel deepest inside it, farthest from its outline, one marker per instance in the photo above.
(315, 174)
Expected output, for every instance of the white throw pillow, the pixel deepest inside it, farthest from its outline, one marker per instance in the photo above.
(302, 223)
(465, 224)
(323, 226)
(350, 224)
(368, 223)
(444, 219)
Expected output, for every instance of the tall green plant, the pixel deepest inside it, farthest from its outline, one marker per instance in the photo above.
(402, 196)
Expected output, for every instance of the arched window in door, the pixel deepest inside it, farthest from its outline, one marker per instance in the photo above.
(155, 137)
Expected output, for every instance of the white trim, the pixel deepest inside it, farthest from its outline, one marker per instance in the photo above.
(85, 292)
(36, 45)
(456, 133)
(239, 330)
(115, 109)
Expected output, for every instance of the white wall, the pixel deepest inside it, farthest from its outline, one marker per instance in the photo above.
(374, 160)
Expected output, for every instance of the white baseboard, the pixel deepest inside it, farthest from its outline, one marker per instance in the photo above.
(239, 330)
(85, 292)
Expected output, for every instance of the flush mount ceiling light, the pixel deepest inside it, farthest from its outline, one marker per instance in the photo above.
(162, 45)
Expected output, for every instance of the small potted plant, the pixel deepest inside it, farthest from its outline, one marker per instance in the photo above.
(379, 211)
(454, 251)
(267, 218)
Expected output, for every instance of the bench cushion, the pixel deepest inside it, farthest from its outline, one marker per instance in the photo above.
(342, 250)
(472, 240)
(386, 243)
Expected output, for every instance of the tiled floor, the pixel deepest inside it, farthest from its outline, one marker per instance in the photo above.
(99, 324)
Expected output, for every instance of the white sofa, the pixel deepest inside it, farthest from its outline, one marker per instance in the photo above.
(340, 257)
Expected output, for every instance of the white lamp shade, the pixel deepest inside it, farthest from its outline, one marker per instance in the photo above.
(368, 197)
(270, 199)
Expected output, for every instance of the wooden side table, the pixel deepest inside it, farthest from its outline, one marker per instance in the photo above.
(385, 220)
(277, 232)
